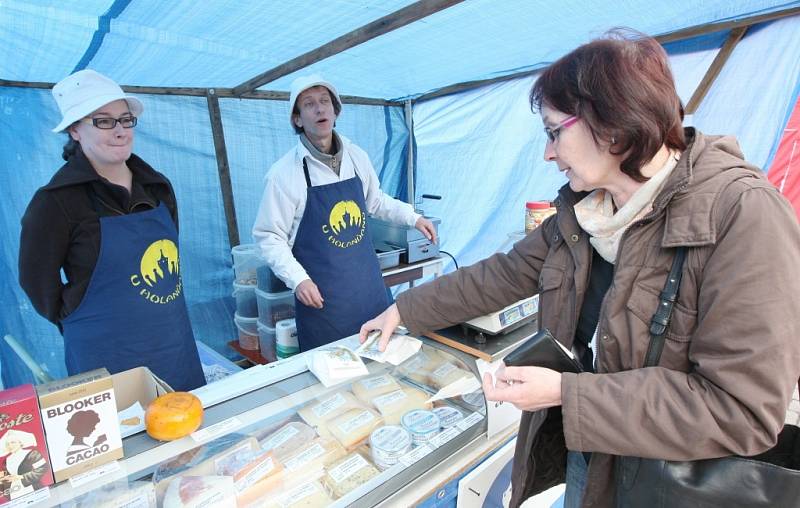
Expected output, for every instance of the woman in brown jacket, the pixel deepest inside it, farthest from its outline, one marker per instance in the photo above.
(639, 186)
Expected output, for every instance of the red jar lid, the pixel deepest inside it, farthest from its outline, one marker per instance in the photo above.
(537, 205)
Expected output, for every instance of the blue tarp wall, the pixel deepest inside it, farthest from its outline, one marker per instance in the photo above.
(481, 149)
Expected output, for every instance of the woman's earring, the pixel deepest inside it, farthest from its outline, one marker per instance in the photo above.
(613, 140)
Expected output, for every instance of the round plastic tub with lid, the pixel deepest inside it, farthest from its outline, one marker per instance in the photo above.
(246, 304)
(246, 260)
(248, 332)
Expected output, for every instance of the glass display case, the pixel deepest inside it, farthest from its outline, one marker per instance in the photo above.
(274, 436)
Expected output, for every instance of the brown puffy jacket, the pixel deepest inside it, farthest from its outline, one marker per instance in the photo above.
(732, 354)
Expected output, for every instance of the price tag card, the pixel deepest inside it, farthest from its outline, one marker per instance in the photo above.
(444, 436)
(415, 455)
(218, 429)
(30, 499)
(469, 421)
(93, 474)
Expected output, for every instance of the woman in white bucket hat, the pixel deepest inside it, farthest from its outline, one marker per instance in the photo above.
(108, 221)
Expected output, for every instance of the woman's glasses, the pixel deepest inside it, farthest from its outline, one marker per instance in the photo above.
(127, 122)
(553, 133)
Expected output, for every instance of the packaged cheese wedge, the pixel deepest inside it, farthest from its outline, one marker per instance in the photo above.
(419, 367)
(349, 473)
(323, 409)
(200, 491)
(310, 460)
(201, 461)
(370, 387)
(253, 473)
(393, 405)
(354, 426)
(288, 439)
(447, 373)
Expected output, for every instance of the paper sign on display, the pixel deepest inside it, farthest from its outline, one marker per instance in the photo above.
(500, 414)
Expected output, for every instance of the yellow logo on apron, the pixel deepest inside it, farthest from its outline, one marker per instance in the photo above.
(159, 279)
(346, 224)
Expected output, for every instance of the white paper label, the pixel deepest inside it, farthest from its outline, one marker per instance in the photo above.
(363, 418)
(328, 405)
(218, 429)
(415, 455)
(469, 421)
(93, 474)
(444, 436)
(305, 457)
(34, 497)
(279, 438)
(348, 468)
(375, 382)
(389, 398)
(255, 474)
(444, 370)
(297, 494)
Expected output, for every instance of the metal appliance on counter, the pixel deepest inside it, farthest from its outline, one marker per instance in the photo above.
(414, 246)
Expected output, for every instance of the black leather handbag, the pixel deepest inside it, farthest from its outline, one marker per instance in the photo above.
(771, 479)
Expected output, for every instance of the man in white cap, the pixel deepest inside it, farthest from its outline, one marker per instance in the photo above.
(311, 224)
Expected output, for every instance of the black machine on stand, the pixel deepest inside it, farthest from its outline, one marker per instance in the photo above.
(392, 239)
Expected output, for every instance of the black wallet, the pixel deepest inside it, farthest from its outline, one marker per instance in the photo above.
(543, 350)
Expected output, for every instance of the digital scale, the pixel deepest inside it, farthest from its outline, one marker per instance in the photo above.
(507, 319)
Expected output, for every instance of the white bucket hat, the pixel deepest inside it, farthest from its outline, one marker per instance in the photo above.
(302, 84)
(79, 94)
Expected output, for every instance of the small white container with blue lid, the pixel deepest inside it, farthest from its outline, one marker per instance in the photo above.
(421, 424)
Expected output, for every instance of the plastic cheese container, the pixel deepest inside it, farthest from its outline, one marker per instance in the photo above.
(248, 332)
(274, 307)
(246, 260)
(245, 295)
(388, 444)
(448, 416)
(421, 424)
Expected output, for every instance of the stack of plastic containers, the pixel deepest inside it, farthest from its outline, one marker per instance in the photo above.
(246, 261)
(275, 304)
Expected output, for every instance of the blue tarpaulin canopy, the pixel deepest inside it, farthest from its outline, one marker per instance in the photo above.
(463, 68)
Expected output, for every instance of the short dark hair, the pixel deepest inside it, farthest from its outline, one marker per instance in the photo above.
(337, 108)
(71, 148)
(622, 87)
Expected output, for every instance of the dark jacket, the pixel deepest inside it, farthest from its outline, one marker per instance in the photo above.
(61, 229)
(731, 359)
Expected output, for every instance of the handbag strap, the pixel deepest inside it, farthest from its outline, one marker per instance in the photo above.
(660, 321)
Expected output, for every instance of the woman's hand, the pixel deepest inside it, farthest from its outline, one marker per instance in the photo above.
(387, 322)
(528, 388)
(308, 294)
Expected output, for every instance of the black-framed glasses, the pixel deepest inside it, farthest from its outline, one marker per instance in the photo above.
(127, 122)
(552, 133)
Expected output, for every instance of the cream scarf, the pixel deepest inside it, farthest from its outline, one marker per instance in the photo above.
(595, 212)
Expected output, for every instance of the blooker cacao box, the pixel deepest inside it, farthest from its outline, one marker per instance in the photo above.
(24, 465)
(80, 420)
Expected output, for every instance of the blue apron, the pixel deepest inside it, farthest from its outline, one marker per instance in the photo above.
(133, 313)
(334, 248)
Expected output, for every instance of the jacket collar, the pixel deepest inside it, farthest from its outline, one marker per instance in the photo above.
(78, 170)
(689, 194)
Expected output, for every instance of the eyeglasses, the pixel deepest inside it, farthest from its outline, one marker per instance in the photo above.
(127, 122)
(552, 134)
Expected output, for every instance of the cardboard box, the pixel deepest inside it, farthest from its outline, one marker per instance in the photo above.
(137, 385)
(79, 415)
(23, 450)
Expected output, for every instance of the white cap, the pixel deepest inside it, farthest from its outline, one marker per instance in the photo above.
(302, 84)
(79, 94)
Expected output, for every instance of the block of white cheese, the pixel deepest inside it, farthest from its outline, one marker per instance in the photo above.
(354, 426)
(446, 373)
(370, 387)
(392, 405)
(287, 439)
(200, 492)
(349, 473)
(325, 408)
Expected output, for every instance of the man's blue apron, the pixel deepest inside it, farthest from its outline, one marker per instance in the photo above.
(133, 313)
(334, 248)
